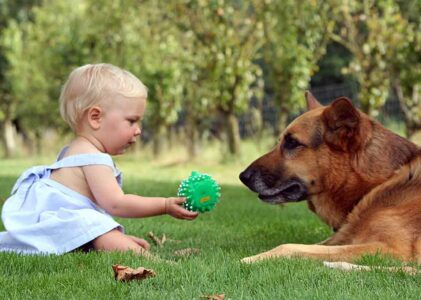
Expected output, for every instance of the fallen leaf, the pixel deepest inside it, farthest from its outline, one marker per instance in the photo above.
(214, 297)
(123, 273)
(186, 252)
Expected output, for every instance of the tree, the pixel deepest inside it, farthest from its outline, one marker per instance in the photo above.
(373, 31)
(41, 52)
(407, 68)
(226, 37)
(10, 12)
(142, 40)
(296, 34)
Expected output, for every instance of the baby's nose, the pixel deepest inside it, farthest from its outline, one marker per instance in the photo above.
(138, 131)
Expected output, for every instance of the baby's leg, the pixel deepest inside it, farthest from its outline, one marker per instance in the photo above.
(115, 240)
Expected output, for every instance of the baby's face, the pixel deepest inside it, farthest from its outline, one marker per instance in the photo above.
(120, 124)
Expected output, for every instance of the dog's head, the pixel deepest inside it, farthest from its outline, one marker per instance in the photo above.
(313, 150)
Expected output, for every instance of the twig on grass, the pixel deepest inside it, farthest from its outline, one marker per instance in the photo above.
(158, 241)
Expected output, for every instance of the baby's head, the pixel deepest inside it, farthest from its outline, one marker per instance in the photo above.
(96, 84)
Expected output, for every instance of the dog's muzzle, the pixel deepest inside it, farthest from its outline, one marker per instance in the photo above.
(272, 189)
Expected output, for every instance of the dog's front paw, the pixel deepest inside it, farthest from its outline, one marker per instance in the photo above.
(286, 250)
(248, 260)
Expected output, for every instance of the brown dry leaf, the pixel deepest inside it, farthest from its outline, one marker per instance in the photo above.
(123, 273)
(214, 297)
(186, 252)
(158, 241)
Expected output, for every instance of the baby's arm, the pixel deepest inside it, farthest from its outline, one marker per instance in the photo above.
(109, 195)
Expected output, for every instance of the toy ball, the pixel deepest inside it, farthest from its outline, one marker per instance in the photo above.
(202, 192)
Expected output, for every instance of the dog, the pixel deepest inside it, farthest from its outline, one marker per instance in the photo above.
(361, 179)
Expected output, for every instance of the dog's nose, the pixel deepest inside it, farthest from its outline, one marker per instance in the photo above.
(246, 176)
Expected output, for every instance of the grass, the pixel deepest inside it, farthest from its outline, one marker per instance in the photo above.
(240, 226)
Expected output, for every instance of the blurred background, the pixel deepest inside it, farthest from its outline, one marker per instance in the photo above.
(220, 73)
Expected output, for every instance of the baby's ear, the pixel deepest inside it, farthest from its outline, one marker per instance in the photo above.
(94, 115)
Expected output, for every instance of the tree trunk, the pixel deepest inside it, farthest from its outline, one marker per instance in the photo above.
(282, 120)
(233, 132)
(192, 136)
(9, 138)
(410, 105)
(171, 135)
(38, 142)
(416, 136)
(158, 140)
(257, 124)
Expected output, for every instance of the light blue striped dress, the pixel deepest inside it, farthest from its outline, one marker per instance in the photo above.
(43, 216)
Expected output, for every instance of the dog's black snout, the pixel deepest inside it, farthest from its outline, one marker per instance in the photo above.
(246, 176)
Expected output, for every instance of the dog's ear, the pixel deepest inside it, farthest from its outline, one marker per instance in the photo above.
(312, 102)
(342, 121)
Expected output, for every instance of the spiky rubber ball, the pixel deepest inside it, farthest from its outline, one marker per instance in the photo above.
(202, 192)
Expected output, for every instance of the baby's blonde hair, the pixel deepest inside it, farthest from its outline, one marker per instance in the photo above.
(92, 84)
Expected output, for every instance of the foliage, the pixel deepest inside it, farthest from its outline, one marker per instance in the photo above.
(296, 34)
(10, 11)
(365, 30)
(40, 54)
(143, 41)
(407, 68)
(226, 37)
(204, 62)
(223, 39)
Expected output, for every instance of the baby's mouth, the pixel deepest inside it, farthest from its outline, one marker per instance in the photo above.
(129, 144)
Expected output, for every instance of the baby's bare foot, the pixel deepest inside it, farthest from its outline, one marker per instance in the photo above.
(141, 242)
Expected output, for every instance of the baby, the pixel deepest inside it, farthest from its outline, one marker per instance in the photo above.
(68, 205)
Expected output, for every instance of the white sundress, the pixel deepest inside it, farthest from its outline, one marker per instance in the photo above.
(43, 216)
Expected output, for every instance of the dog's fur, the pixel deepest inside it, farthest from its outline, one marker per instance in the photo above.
(360, 178)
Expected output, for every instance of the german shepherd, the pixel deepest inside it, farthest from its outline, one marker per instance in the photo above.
(360, 178)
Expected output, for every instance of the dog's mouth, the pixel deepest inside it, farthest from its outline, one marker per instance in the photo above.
(290, 191)
(272, 190)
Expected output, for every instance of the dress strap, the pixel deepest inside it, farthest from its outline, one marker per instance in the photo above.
(34, 174)
(87, 159)
(80, 160)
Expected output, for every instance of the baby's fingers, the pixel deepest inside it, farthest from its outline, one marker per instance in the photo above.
(179, 200)
(186, 214)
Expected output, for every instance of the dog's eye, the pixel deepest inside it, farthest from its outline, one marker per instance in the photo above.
(291, 143)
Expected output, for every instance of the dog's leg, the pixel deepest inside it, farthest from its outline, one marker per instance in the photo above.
(344, 266)
(332, 253)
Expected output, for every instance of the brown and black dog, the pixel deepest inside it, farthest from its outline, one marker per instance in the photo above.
(360, 178)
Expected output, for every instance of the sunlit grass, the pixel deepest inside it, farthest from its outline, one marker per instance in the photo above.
(240, 226)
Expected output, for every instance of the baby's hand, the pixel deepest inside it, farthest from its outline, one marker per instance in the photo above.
(173, 208)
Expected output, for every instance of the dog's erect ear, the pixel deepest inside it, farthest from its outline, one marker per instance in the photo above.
(342, 122)
(312, 102)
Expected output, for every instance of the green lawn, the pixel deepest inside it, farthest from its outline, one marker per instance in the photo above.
(240, 226)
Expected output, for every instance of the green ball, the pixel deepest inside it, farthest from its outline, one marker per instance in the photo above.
(202, 192)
